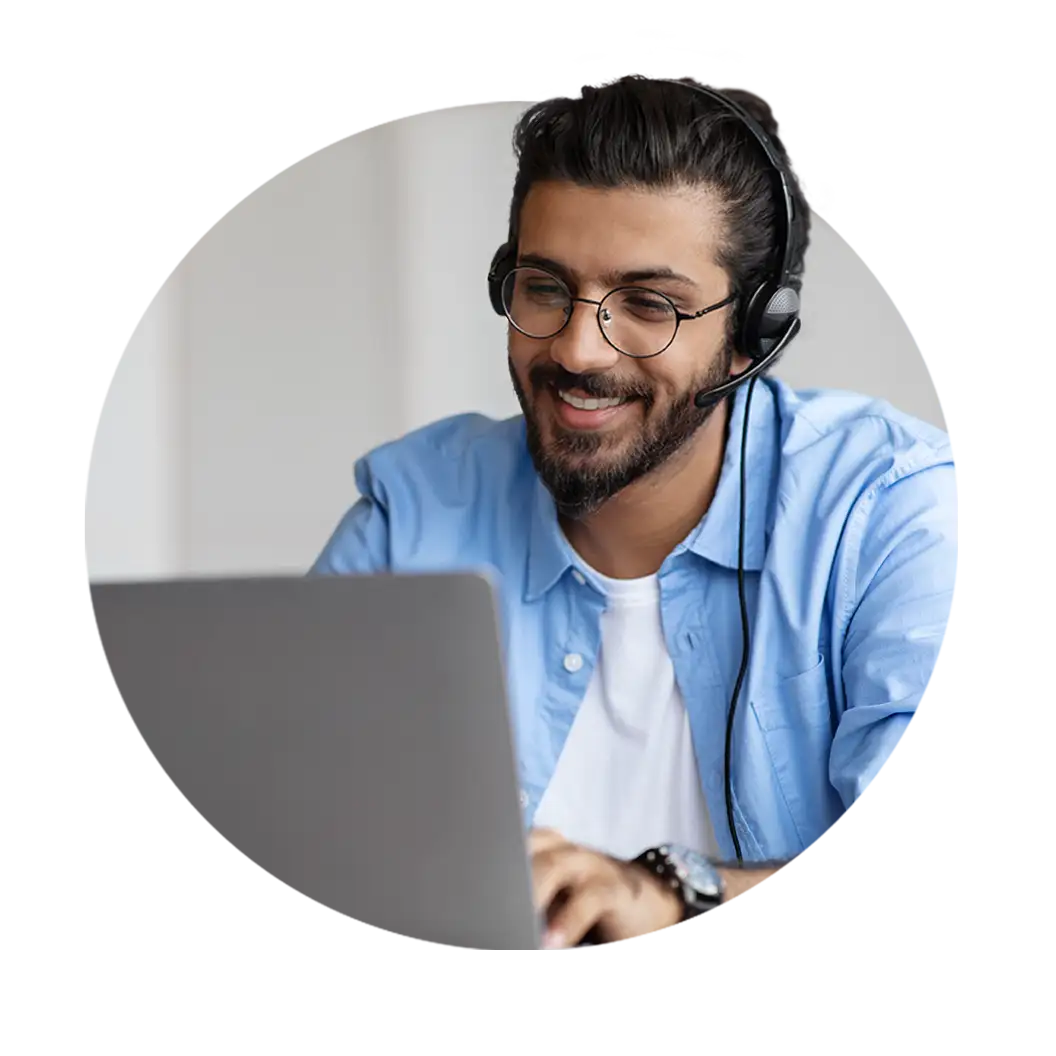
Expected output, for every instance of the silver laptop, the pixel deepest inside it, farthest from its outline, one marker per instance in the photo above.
(349, 734)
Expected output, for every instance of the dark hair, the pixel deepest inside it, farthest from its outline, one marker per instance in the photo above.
(638, 132)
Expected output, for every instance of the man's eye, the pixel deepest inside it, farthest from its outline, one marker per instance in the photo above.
(539, 289)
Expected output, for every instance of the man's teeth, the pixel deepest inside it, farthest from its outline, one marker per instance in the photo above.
(591, 404)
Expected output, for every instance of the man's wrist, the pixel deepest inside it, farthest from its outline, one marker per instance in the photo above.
(667, 903)
(691, 878)
(738, 877)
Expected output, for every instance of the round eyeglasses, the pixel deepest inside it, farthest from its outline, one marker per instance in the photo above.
(636, 321)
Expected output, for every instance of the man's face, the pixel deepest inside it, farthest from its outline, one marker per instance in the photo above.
(593, 239)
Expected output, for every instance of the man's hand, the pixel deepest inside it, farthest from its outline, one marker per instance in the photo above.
(580, 890)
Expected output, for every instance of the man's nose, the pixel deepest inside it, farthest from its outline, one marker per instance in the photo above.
(580, 348)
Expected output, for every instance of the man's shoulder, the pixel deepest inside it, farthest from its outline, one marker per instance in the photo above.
(843, 428)
(449, 459)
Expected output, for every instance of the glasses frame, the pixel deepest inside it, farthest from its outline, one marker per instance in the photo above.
(680, 317)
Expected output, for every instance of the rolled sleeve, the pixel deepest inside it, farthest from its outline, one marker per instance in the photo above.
(903, 543)
(359, 544)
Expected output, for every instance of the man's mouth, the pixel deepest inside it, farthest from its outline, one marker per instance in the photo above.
(590, 403)
(578, 411)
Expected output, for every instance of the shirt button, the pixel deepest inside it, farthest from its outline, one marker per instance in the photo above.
(573, 662)
(578, 576)
(524, 799)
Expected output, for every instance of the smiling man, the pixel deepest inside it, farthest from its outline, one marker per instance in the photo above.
(722, 599)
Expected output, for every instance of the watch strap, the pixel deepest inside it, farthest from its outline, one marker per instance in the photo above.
(692, 876)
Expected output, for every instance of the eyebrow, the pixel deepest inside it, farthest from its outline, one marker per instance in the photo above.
(613, 278)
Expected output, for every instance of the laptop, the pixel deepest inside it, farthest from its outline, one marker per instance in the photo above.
(349, 734)
(349, 737)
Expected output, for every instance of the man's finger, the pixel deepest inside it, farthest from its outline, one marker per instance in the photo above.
(585, 906)
(544, 839)
(562, 867)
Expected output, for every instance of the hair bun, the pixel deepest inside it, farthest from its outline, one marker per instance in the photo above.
(756, 107)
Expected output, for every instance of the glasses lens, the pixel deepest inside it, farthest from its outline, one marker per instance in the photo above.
(537, 303)
(638, 322)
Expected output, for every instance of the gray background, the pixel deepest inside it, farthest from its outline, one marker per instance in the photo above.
(339, 306)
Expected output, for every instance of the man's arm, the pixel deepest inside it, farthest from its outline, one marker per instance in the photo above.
(902, 755)
(901, 560)
(359, 544)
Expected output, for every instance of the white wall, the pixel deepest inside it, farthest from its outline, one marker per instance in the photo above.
(338, 306)
(133, 519)
(342, 304)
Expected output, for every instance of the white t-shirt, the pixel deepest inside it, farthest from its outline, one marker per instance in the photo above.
(627, 778)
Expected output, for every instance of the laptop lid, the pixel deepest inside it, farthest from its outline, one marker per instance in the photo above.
(348, 734)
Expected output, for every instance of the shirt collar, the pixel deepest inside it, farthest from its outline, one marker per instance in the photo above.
(549, 553)
(715, 537)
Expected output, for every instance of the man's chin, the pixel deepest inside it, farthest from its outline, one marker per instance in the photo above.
(576, 493)
(584, 452)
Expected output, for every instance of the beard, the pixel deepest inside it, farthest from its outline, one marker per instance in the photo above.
(576, 468)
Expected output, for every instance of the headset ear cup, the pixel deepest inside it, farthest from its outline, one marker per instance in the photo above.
(501, 264)
(772, 310)
(748, 331)
(781, 311)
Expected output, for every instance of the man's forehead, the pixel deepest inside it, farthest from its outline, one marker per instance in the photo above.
(620, 226)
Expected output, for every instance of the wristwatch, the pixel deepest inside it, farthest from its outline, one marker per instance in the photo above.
(691, 875)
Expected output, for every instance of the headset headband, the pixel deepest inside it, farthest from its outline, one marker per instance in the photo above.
(778, 166)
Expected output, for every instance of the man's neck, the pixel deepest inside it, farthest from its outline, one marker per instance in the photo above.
(632, 534)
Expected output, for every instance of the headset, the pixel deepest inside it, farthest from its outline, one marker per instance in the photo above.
(767, 320)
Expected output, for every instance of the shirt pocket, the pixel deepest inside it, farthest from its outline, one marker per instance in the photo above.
(798, 702)
(795, 718)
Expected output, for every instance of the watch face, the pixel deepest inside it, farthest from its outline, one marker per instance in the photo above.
(695, 871)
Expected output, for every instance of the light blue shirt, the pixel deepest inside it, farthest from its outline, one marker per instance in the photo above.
(850, 552)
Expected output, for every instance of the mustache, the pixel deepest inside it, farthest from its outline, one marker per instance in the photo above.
(599, 386)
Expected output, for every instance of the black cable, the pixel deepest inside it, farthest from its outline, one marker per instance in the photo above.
(745, 637)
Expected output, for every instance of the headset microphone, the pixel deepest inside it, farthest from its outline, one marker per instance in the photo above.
(712, 396)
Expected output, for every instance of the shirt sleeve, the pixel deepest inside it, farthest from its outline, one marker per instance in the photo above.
(903, 539)
(360, 543)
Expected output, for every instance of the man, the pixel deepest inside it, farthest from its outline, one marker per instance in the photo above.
(699, 688)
